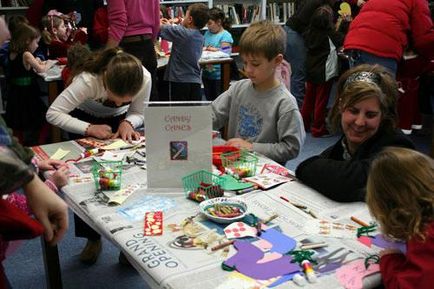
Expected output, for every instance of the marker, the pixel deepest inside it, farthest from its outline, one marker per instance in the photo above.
(246, 190)
(294, 204)
(307, 246)
(308, 271)
(259, 228)
(358, 221)
(222, 245)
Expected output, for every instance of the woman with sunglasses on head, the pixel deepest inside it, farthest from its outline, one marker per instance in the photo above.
(365, 112)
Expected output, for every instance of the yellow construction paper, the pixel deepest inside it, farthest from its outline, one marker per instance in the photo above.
(116, 145)
(59, 154)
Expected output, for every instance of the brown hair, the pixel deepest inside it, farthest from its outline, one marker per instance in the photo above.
(216, 14)
(263, 37)
(352, 89)
(122, 72)
(400, 192)
(199, 14)
(78, 54)
(22, 36)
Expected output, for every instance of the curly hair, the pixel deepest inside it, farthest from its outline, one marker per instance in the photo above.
(400, 192)
(351, 90)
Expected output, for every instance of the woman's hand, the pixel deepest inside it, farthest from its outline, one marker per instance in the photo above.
(100, 131)
(240, 143)
(126, 132)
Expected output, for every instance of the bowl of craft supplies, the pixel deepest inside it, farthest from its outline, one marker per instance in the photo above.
(107, 175)
(224, 210)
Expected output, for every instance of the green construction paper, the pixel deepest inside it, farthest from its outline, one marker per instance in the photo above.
(232, 184)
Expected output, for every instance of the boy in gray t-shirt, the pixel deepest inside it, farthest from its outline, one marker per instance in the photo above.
(183, 70)
(260, 113)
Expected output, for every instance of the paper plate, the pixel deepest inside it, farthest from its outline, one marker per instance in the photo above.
(208, 205)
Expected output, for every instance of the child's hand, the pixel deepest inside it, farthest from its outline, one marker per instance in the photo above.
(60, 177)
(164, 21)
(49, 164)
(389, 251)
(101, 131)
(240, 143)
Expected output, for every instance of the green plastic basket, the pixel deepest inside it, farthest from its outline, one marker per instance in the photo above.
(107, 175)
(202, 185)
(240, 164)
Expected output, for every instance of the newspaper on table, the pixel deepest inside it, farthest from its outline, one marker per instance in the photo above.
(177, 259)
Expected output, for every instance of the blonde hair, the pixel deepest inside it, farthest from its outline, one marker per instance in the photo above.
(400, 192)
(263, 37)
(352, 89)
(22, 36)
(122, 72)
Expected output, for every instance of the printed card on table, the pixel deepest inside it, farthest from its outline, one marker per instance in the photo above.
(330, 229)
(178, 142)
(267, 180)
(153, 223)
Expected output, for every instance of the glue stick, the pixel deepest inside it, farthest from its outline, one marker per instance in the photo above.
(308, 271)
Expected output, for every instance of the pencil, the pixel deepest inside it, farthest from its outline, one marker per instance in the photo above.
(307, 246)
(358, 221)
(294, 204)
(271, 218)
(222, 245)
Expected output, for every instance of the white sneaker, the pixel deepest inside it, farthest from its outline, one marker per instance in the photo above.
(416, 126)
(406, 131)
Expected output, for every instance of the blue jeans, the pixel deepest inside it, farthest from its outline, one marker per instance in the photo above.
(295, 54)
(358, 57)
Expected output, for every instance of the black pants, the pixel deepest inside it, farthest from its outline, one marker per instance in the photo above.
(82, 229)
(185, 91)
(212, 88)
(144, 50)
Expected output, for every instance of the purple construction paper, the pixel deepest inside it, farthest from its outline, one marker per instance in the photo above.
(381, 242)
(281, 243)
(247, 256)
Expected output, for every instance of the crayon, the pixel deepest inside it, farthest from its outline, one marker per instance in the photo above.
(358, 221)
(222, 245)
(271, 218)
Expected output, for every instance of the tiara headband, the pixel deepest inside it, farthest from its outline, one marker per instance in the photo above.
(363, 76)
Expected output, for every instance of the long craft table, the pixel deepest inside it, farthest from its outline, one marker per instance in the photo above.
(167, 262)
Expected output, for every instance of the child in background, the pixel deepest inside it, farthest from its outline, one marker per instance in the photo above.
(400, 195)
(183, 70)
(321, 41)
(25, 111)
(57, 36)
(217, 38)
(259, 112)
(78, 54)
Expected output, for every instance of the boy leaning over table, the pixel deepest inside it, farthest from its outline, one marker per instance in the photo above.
(260, 113)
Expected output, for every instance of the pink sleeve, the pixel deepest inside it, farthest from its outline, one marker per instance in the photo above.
(117, 17)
